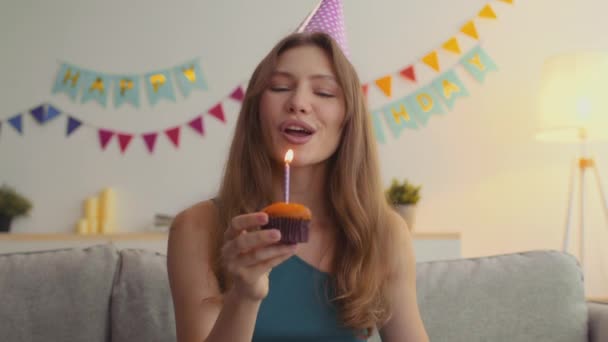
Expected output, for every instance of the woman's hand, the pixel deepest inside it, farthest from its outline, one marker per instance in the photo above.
(249, 253)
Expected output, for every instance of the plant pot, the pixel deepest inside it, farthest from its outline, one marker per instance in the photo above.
(408, 212)
(5, 223)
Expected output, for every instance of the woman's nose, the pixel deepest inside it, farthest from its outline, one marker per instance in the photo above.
(299, 102)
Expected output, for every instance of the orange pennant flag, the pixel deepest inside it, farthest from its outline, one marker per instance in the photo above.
(384, 84)
(470, 30)
(452, 46)
(507, 1)
(487, 12)
(431, 60)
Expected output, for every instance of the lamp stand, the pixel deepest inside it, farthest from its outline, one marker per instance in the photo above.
(582, 164)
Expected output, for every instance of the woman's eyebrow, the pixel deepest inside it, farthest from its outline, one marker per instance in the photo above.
(315, 76)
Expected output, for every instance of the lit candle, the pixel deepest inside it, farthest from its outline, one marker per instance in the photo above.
(288, 159)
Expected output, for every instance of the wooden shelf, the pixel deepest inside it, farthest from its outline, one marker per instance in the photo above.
(163, 235)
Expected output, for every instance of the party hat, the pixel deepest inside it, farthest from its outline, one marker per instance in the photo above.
(328, 17)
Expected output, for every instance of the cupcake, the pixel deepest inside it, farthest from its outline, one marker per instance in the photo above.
(291, 219)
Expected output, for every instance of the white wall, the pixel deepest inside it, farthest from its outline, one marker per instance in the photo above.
(482, 172)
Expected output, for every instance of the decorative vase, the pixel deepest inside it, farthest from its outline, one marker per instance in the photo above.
(5, 223)
(408, 212)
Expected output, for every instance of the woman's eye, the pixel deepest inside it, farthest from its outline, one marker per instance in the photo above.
(279, 88)
(324, 94)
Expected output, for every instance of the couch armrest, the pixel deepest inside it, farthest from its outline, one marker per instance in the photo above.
(598, 321)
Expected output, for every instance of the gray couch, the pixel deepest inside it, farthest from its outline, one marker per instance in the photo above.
(100, 293)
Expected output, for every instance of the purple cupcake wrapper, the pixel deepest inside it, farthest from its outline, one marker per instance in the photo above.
(292, 230)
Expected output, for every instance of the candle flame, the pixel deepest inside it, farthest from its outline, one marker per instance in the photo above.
(289, 156)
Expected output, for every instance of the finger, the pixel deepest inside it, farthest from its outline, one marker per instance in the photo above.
(247, 242)
(245, 222)
(262, 255)
(266, 266)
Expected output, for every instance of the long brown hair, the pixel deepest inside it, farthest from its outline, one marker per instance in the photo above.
(357, 203)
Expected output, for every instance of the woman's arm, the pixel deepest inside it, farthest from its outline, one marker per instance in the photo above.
(405, 324)
(249, 254)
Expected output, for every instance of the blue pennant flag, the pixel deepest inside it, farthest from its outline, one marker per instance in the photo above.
(424, 103)
(68, 80)
(38, 114)
(379, 133)
(52, 112)
(398, 116)
(190, 76)
(96, 87)
(44, 113)
(159, 85)
(73, 124)
(126, 89)
(478, 63)
(449, 87)
(16, 122)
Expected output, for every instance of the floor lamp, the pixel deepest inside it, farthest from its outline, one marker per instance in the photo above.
(574, 108)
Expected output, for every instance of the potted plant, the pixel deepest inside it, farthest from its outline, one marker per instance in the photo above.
(12, 204)
(403, 197)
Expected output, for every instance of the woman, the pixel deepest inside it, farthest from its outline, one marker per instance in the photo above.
(231, 281)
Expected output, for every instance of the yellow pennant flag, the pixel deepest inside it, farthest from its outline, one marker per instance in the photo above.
(431, 60)
(487, 12)
(470, 30)
(452, 45)
(384, 84)
(507, 1)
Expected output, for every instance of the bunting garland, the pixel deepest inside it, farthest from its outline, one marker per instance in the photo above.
(97, 86)
(432, 59)
(439, 95)
(46, 112)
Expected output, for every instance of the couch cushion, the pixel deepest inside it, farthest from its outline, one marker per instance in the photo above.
(142, 307)
(59, 295)
(532, 296)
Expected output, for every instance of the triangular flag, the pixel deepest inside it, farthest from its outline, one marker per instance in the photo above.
(123, 141)
(218, 112)
(470, 30)
(197, 125)
(384, 83)
(452, 45)
(507, 1)
(73, 124)
(237, 94)
(173, 134)
(327, 17)
(150, 140)
(365, 89)
(51, 113)
(16, 122)
(487, 12)
(431, 60)
(104, 137)
(38, 114)
(409, 73)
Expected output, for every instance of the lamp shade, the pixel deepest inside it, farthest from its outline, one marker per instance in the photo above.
(574, 97)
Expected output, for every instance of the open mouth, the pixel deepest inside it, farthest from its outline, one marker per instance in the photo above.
(297, 131)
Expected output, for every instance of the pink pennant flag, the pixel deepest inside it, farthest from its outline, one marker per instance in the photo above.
(173, 134)
(150, 140)
(123, 141)
(197, 125)
(218, 112)
(327, 17)
(238, 94)
(104, 137)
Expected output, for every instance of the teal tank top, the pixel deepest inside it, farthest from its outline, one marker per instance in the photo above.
(297, 307)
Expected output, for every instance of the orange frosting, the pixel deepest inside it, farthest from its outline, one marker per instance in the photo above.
(282, 209)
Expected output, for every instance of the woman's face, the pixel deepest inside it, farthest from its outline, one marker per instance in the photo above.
(302, 107)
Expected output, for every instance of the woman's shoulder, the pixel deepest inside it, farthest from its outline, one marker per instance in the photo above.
(199, 218)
